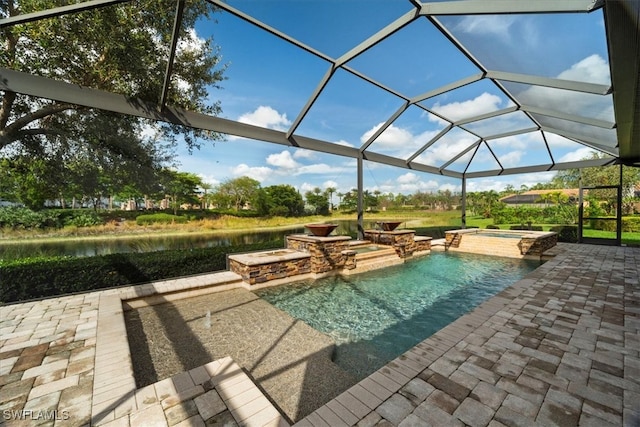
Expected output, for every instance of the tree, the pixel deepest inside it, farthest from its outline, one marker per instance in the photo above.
(182, 187)
(205, 186)
(318, 201)
(238, 192)
(284, 200)
(350, 200)
(369, 199)
(330, 191)
(598, 176)
(28, 181)
(122, 49)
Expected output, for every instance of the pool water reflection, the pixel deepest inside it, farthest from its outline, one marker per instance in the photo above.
(376, 316)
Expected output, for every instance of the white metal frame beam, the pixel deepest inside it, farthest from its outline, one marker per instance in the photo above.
(593, 88)
(493, 7)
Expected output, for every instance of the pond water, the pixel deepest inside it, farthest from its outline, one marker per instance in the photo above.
(145, 243)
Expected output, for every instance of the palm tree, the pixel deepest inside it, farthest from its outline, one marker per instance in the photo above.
(340, 196)
(330, 191)
(205, 187)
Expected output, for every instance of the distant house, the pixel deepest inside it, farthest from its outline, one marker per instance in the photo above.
(541, 197)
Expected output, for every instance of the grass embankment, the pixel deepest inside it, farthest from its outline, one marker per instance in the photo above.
(222, 225)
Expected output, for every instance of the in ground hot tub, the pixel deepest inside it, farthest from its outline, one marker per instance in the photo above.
(507, 243)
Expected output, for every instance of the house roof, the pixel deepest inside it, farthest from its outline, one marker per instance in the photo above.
(534, 196)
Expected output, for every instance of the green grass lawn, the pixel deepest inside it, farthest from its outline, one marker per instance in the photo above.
(628, 238)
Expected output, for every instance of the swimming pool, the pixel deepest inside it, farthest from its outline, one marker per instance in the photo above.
(376, 316)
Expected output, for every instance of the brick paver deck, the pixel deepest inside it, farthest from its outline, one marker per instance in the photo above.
(560, 347)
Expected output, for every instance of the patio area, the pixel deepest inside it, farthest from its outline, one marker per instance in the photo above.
(560, 347)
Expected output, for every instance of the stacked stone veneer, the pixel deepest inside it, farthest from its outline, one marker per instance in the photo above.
(259, 273)
(423, 243)
(404, 242)
(327, 253)
(537, 245)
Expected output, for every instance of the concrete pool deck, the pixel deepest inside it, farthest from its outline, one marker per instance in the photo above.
(560, 347)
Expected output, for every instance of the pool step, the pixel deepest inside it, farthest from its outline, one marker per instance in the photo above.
(374, 260)
(364, 256)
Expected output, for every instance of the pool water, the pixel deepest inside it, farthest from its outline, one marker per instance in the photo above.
(366, 249)
(376, 316)
(501, 235)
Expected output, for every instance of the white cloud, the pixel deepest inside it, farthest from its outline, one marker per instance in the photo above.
(319, 168)
(453, 111)
(306, 187)
(557, 141)
(574, 156)
(209, 179)
(407, 178)
(329, 183)
(592, 69)
(450, 187)
(496, 25)
(282, 160)
(408, 183)
(302, 153)
(500, 183)
(511, 159)
(397, 141)
(260, 173)
(267, 117)
(391, 137)
(445, 150)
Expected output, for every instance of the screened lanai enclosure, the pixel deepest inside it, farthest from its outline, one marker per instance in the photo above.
(462, 89)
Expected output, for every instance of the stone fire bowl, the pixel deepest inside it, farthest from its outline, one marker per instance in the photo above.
(389, 225)
(321, 230)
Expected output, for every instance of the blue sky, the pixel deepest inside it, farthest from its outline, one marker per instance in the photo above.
(269, 81)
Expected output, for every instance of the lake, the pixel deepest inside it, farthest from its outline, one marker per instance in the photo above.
(149, 243)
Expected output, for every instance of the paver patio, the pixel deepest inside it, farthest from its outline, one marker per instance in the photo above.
(560, 347)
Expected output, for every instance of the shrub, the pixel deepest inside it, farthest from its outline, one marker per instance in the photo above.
(526, 227)
(84, 219)
(492, 227)
(163, 218)
(30, 278)
(566, 233)
(631, 224)
(23, 218)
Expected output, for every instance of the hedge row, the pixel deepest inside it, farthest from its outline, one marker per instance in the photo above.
(32, 278)
(629, 224)
(23, 218)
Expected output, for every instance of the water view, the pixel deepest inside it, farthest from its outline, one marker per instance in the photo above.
(149, 243)
(376, 316)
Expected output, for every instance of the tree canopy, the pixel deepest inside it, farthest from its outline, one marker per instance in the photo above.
(119, 48)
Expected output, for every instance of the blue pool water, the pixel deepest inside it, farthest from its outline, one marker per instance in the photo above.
(376, 316)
